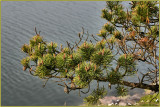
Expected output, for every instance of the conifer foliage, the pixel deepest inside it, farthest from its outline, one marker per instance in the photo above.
(130, 37)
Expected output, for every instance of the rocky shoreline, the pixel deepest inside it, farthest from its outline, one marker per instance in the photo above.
(134, 99)
(121, 101)
(129, 100)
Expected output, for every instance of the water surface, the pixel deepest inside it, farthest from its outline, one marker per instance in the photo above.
(58, 21)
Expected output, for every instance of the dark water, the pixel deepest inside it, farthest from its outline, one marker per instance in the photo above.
(57, 21)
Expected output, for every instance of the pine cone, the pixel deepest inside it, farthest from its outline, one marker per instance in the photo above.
(35, 39)
(86, 68)
(79, 77)
(54, 55)
(73, 86)
(64, 56)
(125, 56)
(51, 43)
(71, 57)
(84, 44)
(30, 69)
(39, 45)
(147, 20)
(66, 90)
(95, 67)
(24, 68)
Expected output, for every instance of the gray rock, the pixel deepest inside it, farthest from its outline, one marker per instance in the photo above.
(122, 104)
(108, 100)
(111, 104)
(121, 101)
(129, 104)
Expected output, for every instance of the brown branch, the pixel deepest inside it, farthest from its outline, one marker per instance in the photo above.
(153, 98)
(69, 87)
(141, 85)
(136, 85)
(36, 30)
(94, 38)
(87, 36)
(45, 83)
(87, 91)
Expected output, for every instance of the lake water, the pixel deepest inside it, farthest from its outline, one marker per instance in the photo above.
(58, 21)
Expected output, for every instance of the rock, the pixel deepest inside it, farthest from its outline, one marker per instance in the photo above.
(135, 98)
(105, 101)
(111, 104)
(122, 104)
(108, 100)
(116, 102)
(129, 104)
(121, 101)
